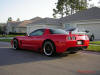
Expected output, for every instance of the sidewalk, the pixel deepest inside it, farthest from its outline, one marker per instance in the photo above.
(6, 37)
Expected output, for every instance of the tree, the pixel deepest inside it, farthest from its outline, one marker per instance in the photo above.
(18, 20)
(9, 19)
(0, 29)
(69, 7)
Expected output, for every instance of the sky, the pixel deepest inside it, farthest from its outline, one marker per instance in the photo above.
(28, 9)
(95, 2)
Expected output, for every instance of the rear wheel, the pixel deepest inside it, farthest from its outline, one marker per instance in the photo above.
(15, 44)
(48, 48)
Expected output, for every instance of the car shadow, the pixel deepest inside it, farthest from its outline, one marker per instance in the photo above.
(9, 56)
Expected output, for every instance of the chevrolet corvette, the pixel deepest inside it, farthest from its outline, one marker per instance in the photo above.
(50, 41)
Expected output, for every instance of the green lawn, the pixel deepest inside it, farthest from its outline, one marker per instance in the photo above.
(94, 48)
(5, 40)
(95, 42)
(11, 35)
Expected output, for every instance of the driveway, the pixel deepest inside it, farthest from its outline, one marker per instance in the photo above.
(23, 62)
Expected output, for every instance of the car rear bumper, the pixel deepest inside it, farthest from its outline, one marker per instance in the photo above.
(72, 45)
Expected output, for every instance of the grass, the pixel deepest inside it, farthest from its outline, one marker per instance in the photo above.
(5, 40)
(10, 35)
(94, 48)
(95, 42)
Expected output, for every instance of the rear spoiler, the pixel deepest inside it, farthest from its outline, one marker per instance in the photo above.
(70, 30)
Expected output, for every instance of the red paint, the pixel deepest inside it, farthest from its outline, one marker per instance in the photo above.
(60, 40)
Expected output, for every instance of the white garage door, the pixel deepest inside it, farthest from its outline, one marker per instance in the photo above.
(93, 28)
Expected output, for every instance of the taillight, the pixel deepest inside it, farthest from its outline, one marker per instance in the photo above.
(73, 38)
(69, 38)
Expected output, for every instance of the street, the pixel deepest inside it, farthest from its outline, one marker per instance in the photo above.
(24, 62)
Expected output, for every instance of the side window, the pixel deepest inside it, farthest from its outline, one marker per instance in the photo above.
(37, 32)
(57, 31)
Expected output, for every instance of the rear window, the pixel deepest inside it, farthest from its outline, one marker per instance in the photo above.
(58, 31)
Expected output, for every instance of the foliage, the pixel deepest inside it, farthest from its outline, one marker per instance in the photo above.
(18, 20)
(69, 7)
(9, 19)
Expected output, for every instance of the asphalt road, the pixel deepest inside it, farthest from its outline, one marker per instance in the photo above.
(23, 62)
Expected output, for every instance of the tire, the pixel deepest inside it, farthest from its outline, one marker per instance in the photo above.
(92, 38)
(49, 48)
(72, 52)
(15, 44)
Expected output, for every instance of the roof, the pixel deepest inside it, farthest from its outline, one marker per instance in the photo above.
(23, 23)
(36, 18)
(46, 21)
(89, 14)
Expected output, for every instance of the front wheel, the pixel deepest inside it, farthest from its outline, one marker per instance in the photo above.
(15, 44)
(48, 48)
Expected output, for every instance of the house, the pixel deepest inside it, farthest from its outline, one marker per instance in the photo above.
(19, 27)
(11, 27)
(43, 23)
(84, 20)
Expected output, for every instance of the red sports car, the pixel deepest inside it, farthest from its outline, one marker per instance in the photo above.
(51, 41)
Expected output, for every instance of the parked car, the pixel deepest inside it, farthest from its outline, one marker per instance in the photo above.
(51, 41)
(90, 35)
(86, 32)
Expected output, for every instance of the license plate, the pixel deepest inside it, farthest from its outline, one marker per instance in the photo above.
(79, 42)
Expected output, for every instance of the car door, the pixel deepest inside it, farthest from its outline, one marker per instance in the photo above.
(33, 41)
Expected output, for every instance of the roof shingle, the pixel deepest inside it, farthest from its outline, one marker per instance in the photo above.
(49, 21)
(89, 14)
